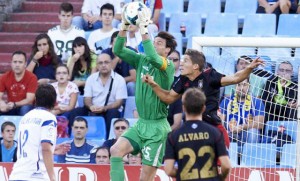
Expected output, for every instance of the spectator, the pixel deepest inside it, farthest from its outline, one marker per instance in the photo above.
(82, 63)
(63, 35)
(257, 83)
(134, 38)
(99, 39)
(43, 59)
(197, 141)
(19, 85)
(104, 93)
(120, 126)
(82, 151)
(8, 151)
(102, 155)
(121, 67)
(243, 115)
(280, 94)
(135, 159)
(90, 18)
(175, 109)
(277, 7)
(67, 92)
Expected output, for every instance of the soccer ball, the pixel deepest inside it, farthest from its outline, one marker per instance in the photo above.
(131, 12)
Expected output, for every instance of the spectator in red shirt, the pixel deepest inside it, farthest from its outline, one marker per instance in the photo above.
(19, 85)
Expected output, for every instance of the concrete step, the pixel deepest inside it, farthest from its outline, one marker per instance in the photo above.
(17, 37)
(9, 47)
(27, 26)
(34, 6)
(36, 17)
(5, 62)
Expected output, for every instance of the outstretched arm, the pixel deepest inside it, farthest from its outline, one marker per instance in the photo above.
(242, 74)
(166, 96)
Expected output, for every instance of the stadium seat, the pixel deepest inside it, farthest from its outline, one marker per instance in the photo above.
(96, 128)
(80, 101)
(288, 25)
(241, 7)
(258, 155)
(259, 25)
(129, 107)
(223, 24)
(288, 156)
(275, 53)
(162, 22)
(204, 7)
(233, 154)
(131, 121)
(192, 21)
(15, 119)
(178, 38)
(290, 128)
(169, 7)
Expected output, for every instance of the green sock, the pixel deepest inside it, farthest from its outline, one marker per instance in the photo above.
(116, 169)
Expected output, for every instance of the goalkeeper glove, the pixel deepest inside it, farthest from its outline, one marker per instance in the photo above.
(124, 23)
(145, 19)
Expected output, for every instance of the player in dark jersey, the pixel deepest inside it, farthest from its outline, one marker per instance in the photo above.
(196, 146)
(209, 80)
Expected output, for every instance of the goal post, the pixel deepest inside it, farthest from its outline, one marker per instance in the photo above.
(223, 53)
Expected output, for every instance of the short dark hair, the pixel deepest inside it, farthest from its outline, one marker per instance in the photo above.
(7, 123)
(120, 120)
(243, 57)
(286, 62)
(170, 40)
(103, 148)
(107, 6)
(81, 119)
(66, 7)
(197, 57)
(193, 101)
(113, 36)
(19, 52)
(45, 96)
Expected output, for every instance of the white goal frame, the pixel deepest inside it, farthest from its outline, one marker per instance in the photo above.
(270, 42)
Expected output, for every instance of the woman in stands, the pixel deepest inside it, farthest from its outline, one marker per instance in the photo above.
(43, 59)
(82, 63)
(67, 92)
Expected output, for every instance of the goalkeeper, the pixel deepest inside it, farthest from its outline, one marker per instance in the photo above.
(149, 134)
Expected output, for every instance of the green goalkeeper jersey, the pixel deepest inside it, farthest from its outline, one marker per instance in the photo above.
(149, 106)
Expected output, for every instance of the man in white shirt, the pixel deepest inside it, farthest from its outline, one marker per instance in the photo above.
(90, 18)
(100, 39)
(37, 138)
(63, 35)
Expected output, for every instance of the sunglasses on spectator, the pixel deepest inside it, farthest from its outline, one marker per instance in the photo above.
(120, 127)
(173, 59)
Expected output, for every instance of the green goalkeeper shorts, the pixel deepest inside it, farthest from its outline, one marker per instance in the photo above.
(149, 138)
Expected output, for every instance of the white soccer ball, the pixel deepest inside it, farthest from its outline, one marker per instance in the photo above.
(131, 12)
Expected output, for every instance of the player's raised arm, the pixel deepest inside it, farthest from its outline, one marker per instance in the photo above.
(242, 74)
(167, 96)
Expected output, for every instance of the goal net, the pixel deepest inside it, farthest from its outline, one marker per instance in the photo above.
(259, 113)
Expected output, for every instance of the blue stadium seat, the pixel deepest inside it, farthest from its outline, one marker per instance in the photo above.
(241, 7)
(129, 107)
(275, 53)
(15, 119)
(192, 21)
(162, 22)
(259, 25)
(80, 100)
(178, 38)
(289, 25)
(96, 127)
(204, 7)
(169, 7)
(223, 24)
(131, 121)
(233, 154)
(288, 156)
(290, 127)
(258, 155)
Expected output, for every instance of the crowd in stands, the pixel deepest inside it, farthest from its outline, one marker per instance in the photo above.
(79, 65)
